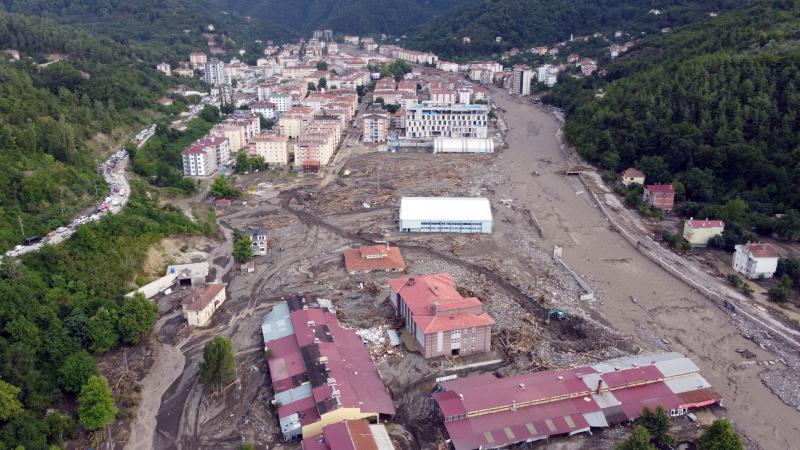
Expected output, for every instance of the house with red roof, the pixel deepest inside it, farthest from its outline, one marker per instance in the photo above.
(661, 196)
(351, 435)
(201, 303)
(632, 176)
(440, 320)
(483, 411)
(755, 260)
(371, 258)
(321, 372)
(698, 232)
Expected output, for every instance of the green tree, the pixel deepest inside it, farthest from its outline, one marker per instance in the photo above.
(242, 162)
(639, 439)
(242, 248)
(220, 188)
(311, 86)
(657, 423)
(720, 436)
(322, 65)
(323, 83)
(781, 292)
(210, 114)
(218, 367)
(9, 403)
(76, 370)
(103, 331)
(96, 406)
(136, 319)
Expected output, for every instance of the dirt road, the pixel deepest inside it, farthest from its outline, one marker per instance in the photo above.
(667, 313)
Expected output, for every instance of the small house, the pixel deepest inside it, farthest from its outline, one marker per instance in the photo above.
(258, 236)
(200, 304)
(755, 260)
(373, 258)
(698, 232)
(632, 176)
(661, 196)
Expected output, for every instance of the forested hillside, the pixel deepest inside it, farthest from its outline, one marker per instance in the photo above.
(345, 16)
(169, 28)
(47, 113)
(713, 107)
(524, 23)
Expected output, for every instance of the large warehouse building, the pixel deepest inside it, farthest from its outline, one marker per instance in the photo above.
(463, 145)
(445, 215)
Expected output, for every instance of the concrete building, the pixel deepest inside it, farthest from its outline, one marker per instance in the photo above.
(350, 435)
(462, 145)
(165, 68)
(376, 126)
(321, 373)
(661, 196)
(294, 122)
(258, 236)
(373, 258)
(440, 320)
(445, 215)
(235, 133)
(632, 176)
(265, 109)
(200, 304)
(215, 73)
(274, 148)
(521, 80)
(281, 101)
(198, 161)
(698, 232)
(755, 260)
(429, 120)
(197, 59)
(484, 411)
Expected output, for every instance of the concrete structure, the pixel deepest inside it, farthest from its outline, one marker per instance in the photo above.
(661, 196)
(373, 258)
(445, 215)
(483, 411)
(462, 145)
(274, 148)
(321, 373)
(755, 260)
(440, 320)
(182, 275)
(198, 59)
(351, 435)
(258, 236)
(431, 120)
(198, 161)
(698, 232)
(200, 304)
(521, 80)
(281, 101)
(234, 132)
(376, 126)
(215, 73)
(632, 176)
(165, 68)
(265, 109)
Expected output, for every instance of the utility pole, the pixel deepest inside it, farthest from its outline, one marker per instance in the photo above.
(21, 228)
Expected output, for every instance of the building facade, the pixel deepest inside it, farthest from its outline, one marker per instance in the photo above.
(200, 304)
(521, 80)
(755, 260)
(698, 232)
(274, 148)
(215, 73)
(198, 161)
(376, 127)
(445, 215)
(632, 176)
(661, 196)
(434, 120)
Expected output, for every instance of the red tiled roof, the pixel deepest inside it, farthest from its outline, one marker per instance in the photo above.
(762, 250)
(194, 148)
(706, 223)
(633, 173)
(199, 298)
(665, 188)
(375, 257)
(433, 324)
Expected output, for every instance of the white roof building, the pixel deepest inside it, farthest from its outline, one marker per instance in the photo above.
(446, 215)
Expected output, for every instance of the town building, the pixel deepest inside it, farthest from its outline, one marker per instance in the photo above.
(755, 260)
(484, 411)
(198, 161)
(350, 435)
(201, 303)
(234, 132)
(445, 215)
(282, 101)
(632, 176)
(215, 73)
(165, 68)
(197, 59)
(661, 196)
(698, 232)
(376, 126)
(429, 120)
(258, 236)
(373, 258)
(440, 320)
(265, 109)
(274, 148)
(521, 81)
(463, 145)
(321, 372)
(294, 122)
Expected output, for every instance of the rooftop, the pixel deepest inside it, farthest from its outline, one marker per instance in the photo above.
(660, 188)
(374, 257)
(706, 223)
(199, 298)
(761, 250)
(445, 208)
(633, 173)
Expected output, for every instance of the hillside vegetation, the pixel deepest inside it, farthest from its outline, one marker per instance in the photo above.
(713, 108)
(523, 23)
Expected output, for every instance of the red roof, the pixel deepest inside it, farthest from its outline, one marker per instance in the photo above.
(433, 324)
(374, 257)
(346, 435)
(199, 298)
(633, 173)
(194, 148)
(706, 223)
(660, 188)
(762, 250)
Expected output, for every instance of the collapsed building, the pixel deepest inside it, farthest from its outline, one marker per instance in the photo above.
(483, 411)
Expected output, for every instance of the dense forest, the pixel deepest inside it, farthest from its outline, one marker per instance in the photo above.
(345, 16)
(539, 22)
(49, 111)
(713, 108)
(170, 29)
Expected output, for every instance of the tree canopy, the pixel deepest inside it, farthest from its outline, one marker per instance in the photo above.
(218, 367)
(96, 404)
(720, 436)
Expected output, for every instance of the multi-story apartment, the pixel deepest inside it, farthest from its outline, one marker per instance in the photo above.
(428, 120)
(376, 126)
(265, 109)
(197, 59)
(215, 73)
(274, 148)
(235, 133)
(165, 68)
(198, 161)
(521, 80)
(295, 121)
(282, 101)
(220, 148)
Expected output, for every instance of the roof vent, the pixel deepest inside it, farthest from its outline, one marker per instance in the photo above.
(522, 385)
(560, 378)
(411, 281)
